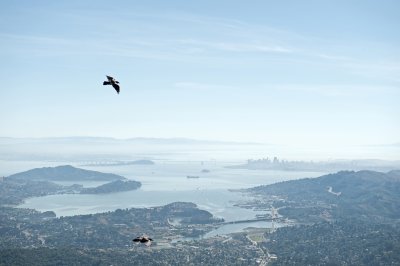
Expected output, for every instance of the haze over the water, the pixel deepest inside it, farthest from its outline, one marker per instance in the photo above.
(265, 71)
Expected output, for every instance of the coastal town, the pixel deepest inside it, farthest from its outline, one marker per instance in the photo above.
(170, 226)
(300, 214)
(176, 227)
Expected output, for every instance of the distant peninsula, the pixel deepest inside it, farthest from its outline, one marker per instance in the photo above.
(115, 186)
(64, 173)
(38, 182)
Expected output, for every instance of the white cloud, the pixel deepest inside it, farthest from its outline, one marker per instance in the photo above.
(201, 86)
(338, 90)
(334, 57)
(235, 46)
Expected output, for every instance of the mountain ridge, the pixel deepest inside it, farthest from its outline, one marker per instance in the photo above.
(369, 194)
(175, 140)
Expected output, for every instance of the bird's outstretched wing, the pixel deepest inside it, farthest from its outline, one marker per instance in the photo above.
(106, 83)
(116, 87)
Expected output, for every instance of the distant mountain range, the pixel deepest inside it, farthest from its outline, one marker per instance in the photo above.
(78, 139)
(99, 149)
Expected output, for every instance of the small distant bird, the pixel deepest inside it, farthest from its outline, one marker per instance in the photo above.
(143, 239)
(111, 81)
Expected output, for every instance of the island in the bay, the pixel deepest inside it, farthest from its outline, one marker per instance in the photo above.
(64, 173)
(42, 181)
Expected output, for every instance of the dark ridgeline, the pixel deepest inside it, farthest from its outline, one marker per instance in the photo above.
(375, 195)
(348, 218)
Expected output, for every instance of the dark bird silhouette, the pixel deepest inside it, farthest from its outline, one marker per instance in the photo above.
(111, 81)
(143, 239)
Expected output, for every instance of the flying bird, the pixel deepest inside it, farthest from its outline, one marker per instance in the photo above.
(143, 239)
(111, 81)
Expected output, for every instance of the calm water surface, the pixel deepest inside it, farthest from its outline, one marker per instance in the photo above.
(166, 182)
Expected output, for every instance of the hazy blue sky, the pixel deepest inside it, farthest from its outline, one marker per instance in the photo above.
(283, 72)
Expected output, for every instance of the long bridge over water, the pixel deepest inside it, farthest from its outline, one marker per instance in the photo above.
(262, 219)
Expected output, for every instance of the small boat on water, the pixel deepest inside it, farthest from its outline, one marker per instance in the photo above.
(192, 176)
